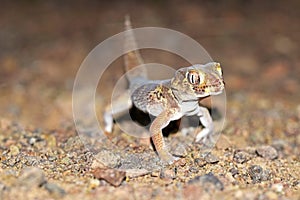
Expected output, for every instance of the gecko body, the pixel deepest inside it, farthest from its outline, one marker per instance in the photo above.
(170, 99)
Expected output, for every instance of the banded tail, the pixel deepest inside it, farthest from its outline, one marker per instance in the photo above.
(133, 58)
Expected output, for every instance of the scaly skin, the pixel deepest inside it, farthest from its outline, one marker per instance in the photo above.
(171, 99)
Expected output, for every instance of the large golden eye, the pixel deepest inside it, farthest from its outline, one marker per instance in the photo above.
(193, 77)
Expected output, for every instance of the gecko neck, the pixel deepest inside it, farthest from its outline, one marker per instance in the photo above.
(182, 97)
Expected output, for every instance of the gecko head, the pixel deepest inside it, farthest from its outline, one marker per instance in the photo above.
(198, 81)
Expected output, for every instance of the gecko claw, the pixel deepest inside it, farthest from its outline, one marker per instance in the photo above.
(205, 136)
(166, 157)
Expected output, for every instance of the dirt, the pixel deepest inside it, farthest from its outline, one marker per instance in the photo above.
(42, 45)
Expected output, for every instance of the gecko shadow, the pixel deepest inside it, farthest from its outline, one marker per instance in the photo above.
(145, 120)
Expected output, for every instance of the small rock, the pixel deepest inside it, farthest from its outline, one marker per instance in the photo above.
(279, 145)
(132, 173)
(180, 163)
(241, 156)
(267, 152)
(167, 174)
(112, 176)
(32, 140)
(194, 169)
(94, 183)
(179, 151)
(257, 173)
(14, 150)
(54, 189)
(296, 184)
(200, 162)
(278, 187)
(155, 174)
(207, 180)
(234, 171)
(108, 158)
(32, 177)
(210, 158)
(31, 160)
(96, 164)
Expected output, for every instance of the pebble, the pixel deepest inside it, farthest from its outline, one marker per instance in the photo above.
(155, 174)
(258, 174)
(132, 173)
(112, 176)
(32, 177)
(193, 169)
(179, 151)
(167, 174)
(94, 183)
(234, 171)
(32, 140)
(241, 156)
(180, 163)
(108, 158)
(278, 187)
(54, 189)
(279, 145)
(208, 179)
(267, 152)
(210, 158)
(31, 160)
(200, 162)
(296, 184)
(14, 150)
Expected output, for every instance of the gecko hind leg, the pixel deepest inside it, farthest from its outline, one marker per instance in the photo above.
(119, 105)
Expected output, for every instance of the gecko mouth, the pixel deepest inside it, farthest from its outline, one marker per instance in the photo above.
(212, 89)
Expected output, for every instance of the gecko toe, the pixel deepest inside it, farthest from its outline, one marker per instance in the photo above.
(167, 158)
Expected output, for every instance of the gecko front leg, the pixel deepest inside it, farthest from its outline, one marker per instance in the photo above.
(160, 122)
(207, 122)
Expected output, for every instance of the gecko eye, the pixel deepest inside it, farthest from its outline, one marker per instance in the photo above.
(193, 77)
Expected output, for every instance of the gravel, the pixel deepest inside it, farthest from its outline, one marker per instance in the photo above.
(256, 156)
(258, 174)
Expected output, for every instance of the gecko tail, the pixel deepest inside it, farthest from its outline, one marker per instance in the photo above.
(133, 59)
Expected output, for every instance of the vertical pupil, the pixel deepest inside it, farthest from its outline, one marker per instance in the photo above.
(193, 78)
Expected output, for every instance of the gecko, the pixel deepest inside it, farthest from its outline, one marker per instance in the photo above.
(166, 100)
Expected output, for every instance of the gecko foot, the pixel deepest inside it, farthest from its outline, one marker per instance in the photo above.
(166, 157)
(108, 120)
(205, 135)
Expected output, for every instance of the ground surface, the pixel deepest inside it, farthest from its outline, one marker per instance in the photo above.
(257, 156)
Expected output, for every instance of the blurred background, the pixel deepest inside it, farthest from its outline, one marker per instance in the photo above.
(43, 43)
